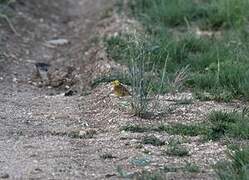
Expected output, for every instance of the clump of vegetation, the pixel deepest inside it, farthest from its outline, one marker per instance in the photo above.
(136, 53)
(218, 95)
(140, 85)
(153, 141)
(135, 128)
(191, 167)
(174, 129)
(219, 124)
(232, 124)
(182, 129)
(170, 168)
(150, 61)
(237, 167)
(176, 149)
(212, 14)
(75, 134)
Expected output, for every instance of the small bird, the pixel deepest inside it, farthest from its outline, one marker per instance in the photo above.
(119, 89)
(42, 70)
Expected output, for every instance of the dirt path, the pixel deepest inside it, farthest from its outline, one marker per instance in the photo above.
(36, 123)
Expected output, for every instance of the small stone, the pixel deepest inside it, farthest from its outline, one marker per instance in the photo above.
(70, 93)
(58, 42)
(38, 170)
(14, 80)
(67, 87)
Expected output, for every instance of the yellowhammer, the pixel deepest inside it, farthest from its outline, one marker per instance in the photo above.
(119, 89)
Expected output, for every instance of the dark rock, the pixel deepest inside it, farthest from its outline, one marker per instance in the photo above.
(4, 175)
(110, 175)
(70, 93)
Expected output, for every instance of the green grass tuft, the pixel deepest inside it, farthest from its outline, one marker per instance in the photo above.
(182, 129)
(135, 128)
(176, 149)
(191, 167)
(210, 14)
(233, 124)
(236, 168)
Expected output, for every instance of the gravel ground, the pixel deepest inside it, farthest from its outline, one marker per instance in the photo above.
(47, 135)
(35, 122)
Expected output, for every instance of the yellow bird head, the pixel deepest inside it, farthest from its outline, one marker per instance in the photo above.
(116, 83)
(119, 89)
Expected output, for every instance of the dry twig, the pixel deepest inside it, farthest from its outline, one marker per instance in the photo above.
(9, 23)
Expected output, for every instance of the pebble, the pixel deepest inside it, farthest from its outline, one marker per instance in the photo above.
(14, 80)
(58, 42)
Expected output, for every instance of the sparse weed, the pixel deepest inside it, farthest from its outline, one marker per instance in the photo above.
(233, 124)
(140, 85)
(236, 168)
(174, 129)
(180, 78)
(74, 134)
(217, 95)
(170, 169)
(153, 141)
(6, 12)
(135, 128)
(182, 129)
(220, 124)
